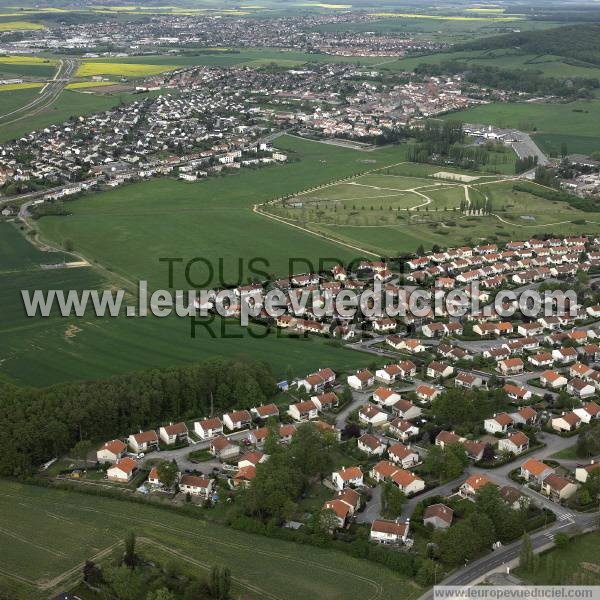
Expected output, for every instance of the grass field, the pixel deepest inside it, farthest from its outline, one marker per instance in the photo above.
(33, 520)
(575, 564)
(19, 25)
(143, 222)
(27, 66)
(575, 123)
(11, 87)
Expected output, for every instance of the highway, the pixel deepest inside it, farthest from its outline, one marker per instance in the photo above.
(47, 96)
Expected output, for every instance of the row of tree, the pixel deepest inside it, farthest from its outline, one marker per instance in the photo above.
(40, 424)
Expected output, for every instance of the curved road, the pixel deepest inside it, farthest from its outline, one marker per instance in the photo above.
(48, 95)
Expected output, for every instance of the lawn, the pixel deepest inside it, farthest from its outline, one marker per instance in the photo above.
(575, 564)
(33, 519)
(575, 123)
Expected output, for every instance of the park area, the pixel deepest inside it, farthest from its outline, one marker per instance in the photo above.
(51, 533)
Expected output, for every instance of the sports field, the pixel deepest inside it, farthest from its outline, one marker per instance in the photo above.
(51, 533)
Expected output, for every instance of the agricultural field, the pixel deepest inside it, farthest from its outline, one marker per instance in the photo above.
(575, 123)
(33, 519)
(14, 99)
(26, 66)
(90, 68)
(165, 218)
(19, 25)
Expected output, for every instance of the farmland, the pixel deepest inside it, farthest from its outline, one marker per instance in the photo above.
(19, 25)
(575, 123)
(210, 219)
(26, 66)
(90, 68)
(33, 519)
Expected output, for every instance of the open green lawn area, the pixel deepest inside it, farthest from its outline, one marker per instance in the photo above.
(46, 532)
(575, 123)
(575, 564)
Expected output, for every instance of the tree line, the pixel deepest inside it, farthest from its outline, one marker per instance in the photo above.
(40, 424)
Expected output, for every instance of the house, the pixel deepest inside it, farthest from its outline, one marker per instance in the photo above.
(153, 478)
(516, 443)
(474, 449)
(517, 393)
(221, 448)
(438, 515)
(403, 455)
(439, 370)
(566, 422)
(580, 388)
(251, 459)
(402, 429)
(350, 476)
(408, 482)
(468, 380)
(316, 382)
(513, 497)
(388, 374)
(208, 428)
(258, 436)
(111, 452)
(371, 445)
(413, 346)
(370, 414)
(557, 488)
(196, 485)
(383, 325)
(123, 470)
(406, 410)
(385, 396)
(144, 441)
(361, 380)
(445, 438)
(174, 433)
(389, 532)
(564, 355)
(326, 401)
(535, 470)
(238, 419)
(341, 510)
(473, 484)
(432, 330)
(244, 476)
(588, 412)
(553, 380)
(583, 472)
(427, 393)
(265, 411)
(541, 360)
(527, 329)
(499, 423)
(524, 416)
(303, 411)
(510, 366)
(407, 369)
(383, 471)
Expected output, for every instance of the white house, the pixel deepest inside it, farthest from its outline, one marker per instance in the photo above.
(566, 422)
(173, 433)
(238, 419)
(370, 414)
(406, 410)
(111, 451)
(438, 515)
(499, 423)
(196, 486)
(303, 411)
(588, 412)
(385, 396)
(516, 442)
(408, 482)
(583, 472)
(350, 476)
(371, 445)
(361, 380)
(403, 455)
(143, 441)
(122, 471)
(389, 532)
(208, 428)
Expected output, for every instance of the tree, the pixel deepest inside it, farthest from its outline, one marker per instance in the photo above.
(130, 558)
(220, 582)
(167, 473)
(68, 245)
(526, 554)
(160, 594)
(427, 573)
(392, 500)
(561, 540)
(92, 573)
(81, 449)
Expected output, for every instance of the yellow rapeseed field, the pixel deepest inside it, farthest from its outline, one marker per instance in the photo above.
(88, 69)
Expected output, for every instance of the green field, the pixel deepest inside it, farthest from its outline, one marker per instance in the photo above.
(50, 532)
(575, 564)
(575, 123)
(128, 229)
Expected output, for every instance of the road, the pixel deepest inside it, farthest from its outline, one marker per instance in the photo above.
(48, 95)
